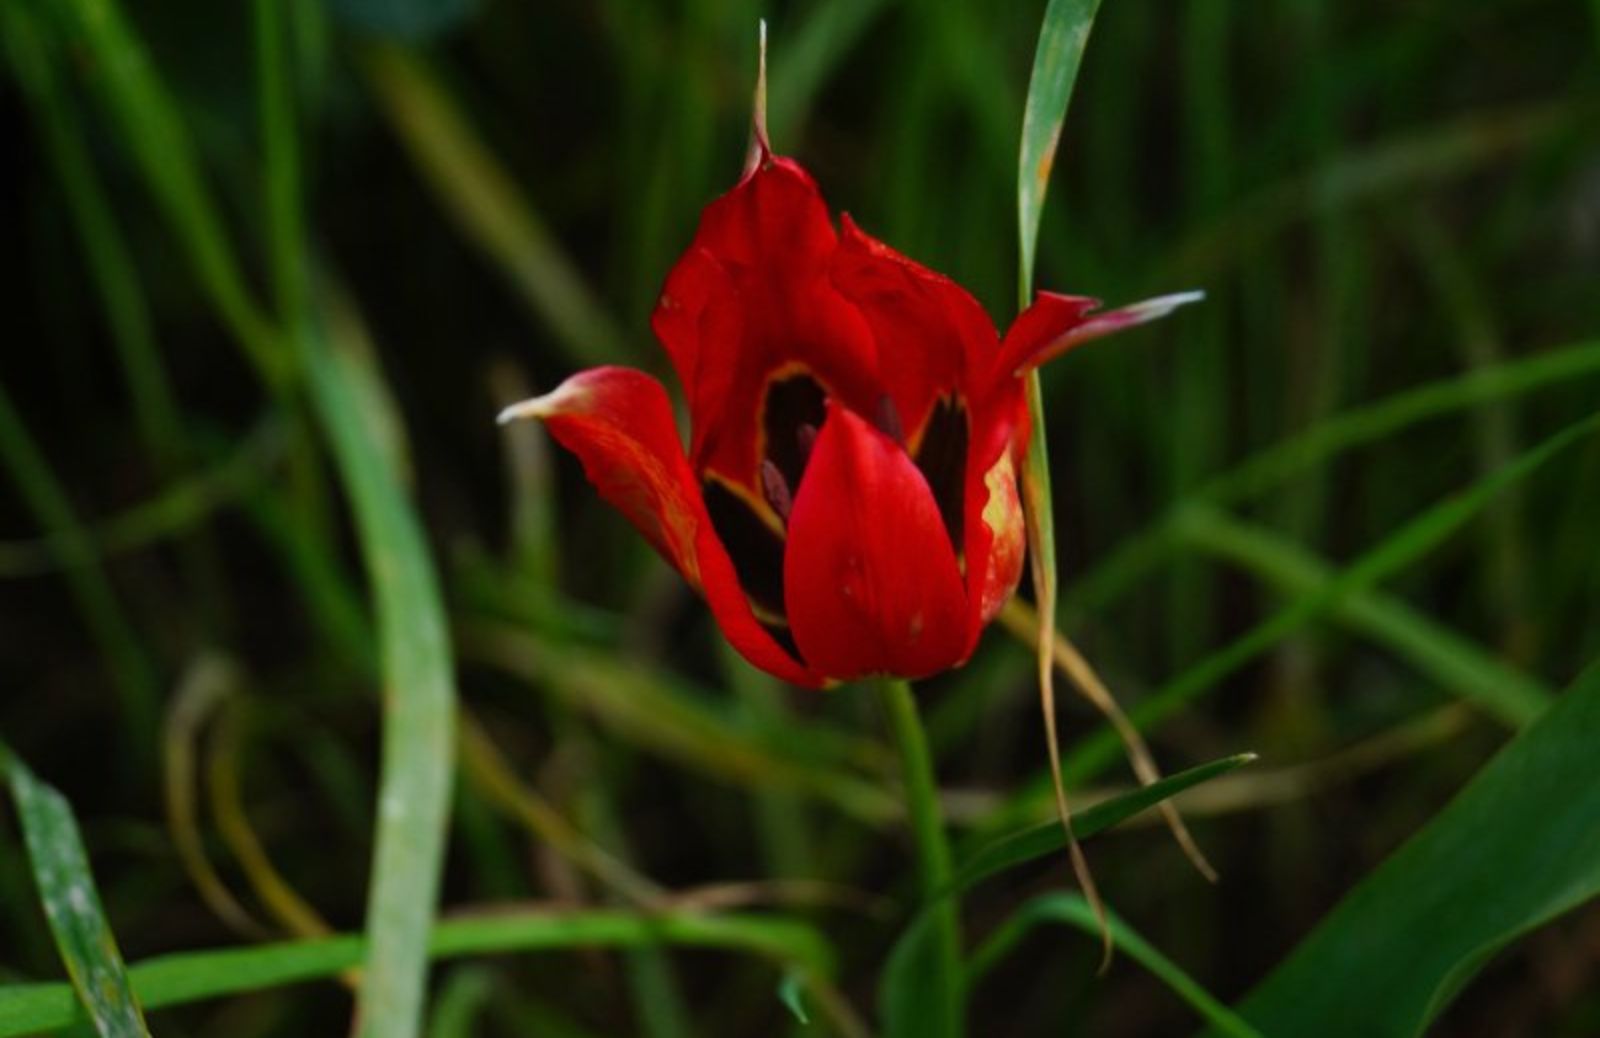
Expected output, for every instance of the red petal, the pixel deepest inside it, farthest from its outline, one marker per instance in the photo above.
(751, 297)
(619, 423)
(933, 338)
(870, 579)
(1056, 323)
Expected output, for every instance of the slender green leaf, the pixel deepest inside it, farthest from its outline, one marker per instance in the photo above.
(1035, 842)
(186, 977)
(1389, 557)
(129, 665)
(1071, 909)
(791, 992)
(419, 694)
(1455, 662)
(1062, 39)
(154, 132)
(661, 715)
(1141, 552)
(904, 976)
(72, 905)
(481, 196)
(1519, 846)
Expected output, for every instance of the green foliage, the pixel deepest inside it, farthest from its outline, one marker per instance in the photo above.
(276, 266)
(1518, 847)
(72, 904)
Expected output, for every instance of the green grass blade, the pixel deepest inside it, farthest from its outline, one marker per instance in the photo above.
(104, 246)
(153, 131)
(1518, 846)
(1457, 664)
(419, 694)
(1061, 907)
(1388, 558)
(281, 149)
(904, 976)
(179, 509)
(1141, 552)
(1062, 39)
(480, 195)
(72, 905)
(130, 668)
(187, 977)
(1033, 843)
(642, 707)
(1375, 422)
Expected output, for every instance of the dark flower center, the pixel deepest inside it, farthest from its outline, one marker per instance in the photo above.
(791, 413)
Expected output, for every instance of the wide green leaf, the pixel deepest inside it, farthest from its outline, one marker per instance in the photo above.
(72, 905)
(1519, 846)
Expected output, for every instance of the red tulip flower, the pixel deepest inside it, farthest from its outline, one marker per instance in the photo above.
(848, 502)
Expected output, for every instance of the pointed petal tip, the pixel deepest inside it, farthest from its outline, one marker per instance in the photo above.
(760, 142)
(531, 408)
(1160, 306)
(559, 399)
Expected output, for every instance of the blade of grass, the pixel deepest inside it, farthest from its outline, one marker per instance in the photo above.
(1062, 38)
(187, 977)
(647, 709)
(904, 977)
(419, 692)
(131, 669)
(72, 905)
(1455, 662)
(1389, 557)
(153, 131)
(1061, 907)
(1142, 551)
(114, 273)
(481, 196)
(1416, 157)
(207, 682)
(168, 515)
(1034, 842)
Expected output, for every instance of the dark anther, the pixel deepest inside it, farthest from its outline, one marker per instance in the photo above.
(776, 490)
(887, 419)
(790, 404)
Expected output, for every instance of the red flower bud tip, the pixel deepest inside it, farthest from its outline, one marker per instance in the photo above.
(848, 503)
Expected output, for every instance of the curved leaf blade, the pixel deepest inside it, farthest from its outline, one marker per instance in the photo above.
(72, 904)
(1519, 846)
(1073, 910)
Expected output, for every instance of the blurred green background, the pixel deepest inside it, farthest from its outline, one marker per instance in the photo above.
(1374, 196)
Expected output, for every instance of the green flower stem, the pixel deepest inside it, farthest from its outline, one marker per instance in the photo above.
(933, 850)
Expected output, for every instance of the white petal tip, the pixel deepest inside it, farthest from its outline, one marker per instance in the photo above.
(533, 408)
(1161, 306)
